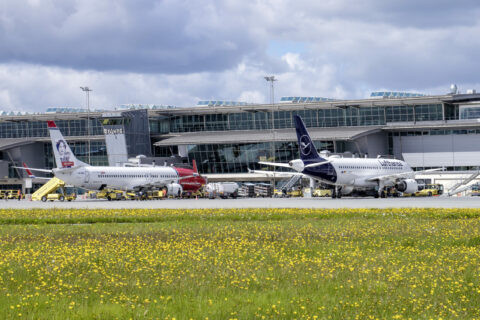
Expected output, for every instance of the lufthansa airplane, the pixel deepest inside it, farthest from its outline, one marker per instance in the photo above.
(347, 174)
(79, 174)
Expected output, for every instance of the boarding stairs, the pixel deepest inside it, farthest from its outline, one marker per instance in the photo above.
(49, 187)
(291, 183)
(464, 184)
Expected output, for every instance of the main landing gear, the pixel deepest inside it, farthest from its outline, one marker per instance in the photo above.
(337, 192)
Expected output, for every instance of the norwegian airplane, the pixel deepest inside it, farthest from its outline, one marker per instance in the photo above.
(347, 174)
(79, 174)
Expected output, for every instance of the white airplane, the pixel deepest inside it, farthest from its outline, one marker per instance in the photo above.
(79, 174)
(348, 174)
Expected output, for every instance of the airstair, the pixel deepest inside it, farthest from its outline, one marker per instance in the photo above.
(49, 187)
(292, 182)
(463, 185)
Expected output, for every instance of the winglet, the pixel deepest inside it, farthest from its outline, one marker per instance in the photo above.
(51, 124)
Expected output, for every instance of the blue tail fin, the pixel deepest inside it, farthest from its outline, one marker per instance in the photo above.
(305, 144)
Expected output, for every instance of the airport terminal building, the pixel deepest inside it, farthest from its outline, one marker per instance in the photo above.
(227, 138)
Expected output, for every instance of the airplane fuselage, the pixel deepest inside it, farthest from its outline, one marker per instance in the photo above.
(356, 172)
(122, 178)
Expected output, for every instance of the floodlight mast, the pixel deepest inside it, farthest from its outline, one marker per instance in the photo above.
(272, 79)
(87, 92)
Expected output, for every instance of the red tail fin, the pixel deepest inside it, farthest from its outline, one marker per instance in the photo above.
(30, 174)
(194, 163)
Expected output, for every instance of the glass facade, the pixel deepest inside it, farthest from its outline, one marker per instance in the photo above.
(283, 119)
(32, 129)
(399, 114)
(469, 112)
(235, 158)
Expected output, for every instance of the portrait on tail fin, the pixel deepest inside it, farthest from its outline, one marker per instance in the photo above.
(64, 154)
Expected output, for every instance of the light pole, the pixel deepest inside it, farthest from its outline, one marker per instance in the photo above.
(272, 79)
(87, 91)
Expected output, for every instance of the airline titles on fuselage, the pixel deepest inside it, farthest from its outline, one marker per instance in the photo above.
(390, 163)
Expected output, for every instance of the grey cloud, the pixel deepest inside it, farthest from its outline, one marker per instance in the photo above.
(178, 52)
(140, 36)
(399, 13)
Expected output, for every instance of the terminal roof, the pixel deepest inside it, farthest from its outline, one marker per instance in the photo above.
(258, 136)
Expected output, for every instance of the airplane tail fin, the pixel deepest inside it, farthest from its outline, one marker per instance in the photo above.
(64, 156)
(194, 164)
(29, 172)
(305, 144)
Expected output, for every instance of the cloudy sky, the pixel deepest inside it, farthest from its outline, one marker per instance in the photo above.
(176, 52)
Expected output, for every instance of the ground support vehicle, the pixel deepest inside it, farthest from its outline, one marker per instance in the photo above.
(295, 193)
(263, 190)
(156, 194)
(10, 194)
(54, 189)
(60, 197)
(277, 193)
(475, 190)
(114, 195)
(222, 190)
(430, 190)
(200, 193)
(108, 194)
(247, 190)
(322, 193)
(61, 194)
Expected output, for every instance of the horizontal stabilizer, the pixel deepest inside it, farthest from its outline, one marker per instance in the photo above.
(311, 165)
(283, 165)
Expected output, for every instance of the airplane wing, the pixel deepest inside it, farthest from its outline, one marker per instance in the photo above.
(403, 175)
(429, 170)
(284, 165)
(274, 173)
(34, 169)
(287, 165)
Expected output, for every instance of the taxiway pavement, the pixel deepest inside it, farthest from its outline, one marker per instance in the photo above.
(428, 202)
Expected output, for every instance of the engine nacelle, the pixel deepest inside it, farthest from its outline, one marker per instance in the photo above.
(407, 186)
(174, 189)
(297, 165)
(346, 190)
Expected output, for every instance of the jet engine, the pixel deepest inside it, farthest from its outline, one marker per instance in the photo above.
(297, 165)
(174, 189)
(347, 190)
(407, 186)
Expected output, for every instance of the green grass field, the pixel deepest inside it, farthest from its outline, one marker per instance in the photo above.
(240, 264)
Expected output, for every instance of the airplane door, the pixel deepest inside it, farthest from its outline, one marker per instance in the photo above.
(87, 176)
